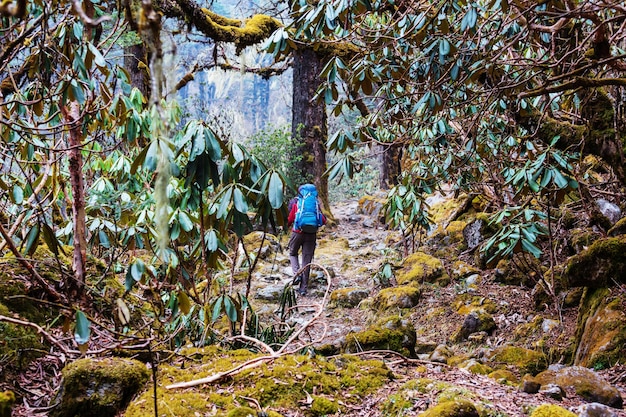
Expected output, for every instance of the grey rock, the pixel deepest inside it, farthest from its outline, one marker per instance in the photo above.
(610, 210)
(270, 292)
(552, 391)
(595, 410)
(472, 234)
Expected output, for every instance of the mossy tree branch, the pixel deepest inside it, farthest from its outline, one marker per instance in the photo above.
(242, 33)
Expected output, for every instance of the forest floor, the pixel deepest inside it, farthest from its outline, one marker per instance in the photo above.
(355, 266)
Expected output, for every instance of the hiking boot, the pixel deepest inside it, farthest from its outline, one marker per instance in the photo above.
(302, 292)
(296, 280)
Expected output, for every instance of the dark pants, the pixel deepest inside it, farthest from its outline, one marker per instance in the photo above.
(307, 242)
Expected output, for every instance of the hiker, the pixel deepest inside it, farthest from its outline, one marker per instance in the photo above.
(306, 216)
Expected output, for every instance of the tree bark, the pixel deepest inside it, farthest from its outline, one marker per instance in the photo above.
(309, 121)
(75, 287)
(390, 165)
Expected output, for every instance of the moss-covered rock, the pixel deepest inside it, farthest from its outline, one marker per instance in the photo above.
(456, 408)
(476, 367)
(525, 360)
(348, 297)
(391, 333)
(601, 329)
(7, 399)
(618, 228)
(581, 238)
(504, 376)
(603, 263)
(421, 267)
(99, 386)
(253, 242)
(522, 269)
(460, 270)
(474, 322)
(585, 382)
(551, 410)
(404, 296)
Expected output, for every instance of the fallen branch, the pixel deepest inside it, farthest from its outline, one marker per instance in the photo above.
(39, 330)
(253, 363)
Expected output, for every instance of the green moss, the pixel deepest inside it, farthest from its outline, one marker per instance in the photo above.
(455, 408)
(605, 259)
(322, 406)
(388, 334)
(280, 384)
(347, 297)
(242, 412)
(601, 329)
(419, 268)
(504, 376)
(404, 296)
(526, 360)
(551, 410)
(467, 303)
(7, 399)
(402, 402)
(99, 387)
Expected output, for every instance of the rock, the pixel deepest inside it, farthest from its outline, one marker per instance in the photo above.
(619, 228)
(441, 354)
(551, 410)
(391, 333)
(505, 377)
(270, 292)
(253, 241)
(421, 267)
(595, 410)
(99, 387)
(424, 346)
(348, 297)
(523, 269)
(596, 267)
(454, 408)
(610, 210)
(601, 329)
(474, 322)
(580, 239)
(553, 391)
(472, 233)
(525, 360)
(404, 296)
(584, 382)
(529, 385)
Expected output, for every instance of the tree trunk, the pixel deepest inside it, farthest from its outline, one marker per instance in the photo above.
(136, 63)
(390, 165)
(309, 121)
(74, 287)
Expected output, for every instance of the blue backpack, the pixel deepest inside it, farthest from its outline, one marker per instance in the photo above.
(308, 215)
